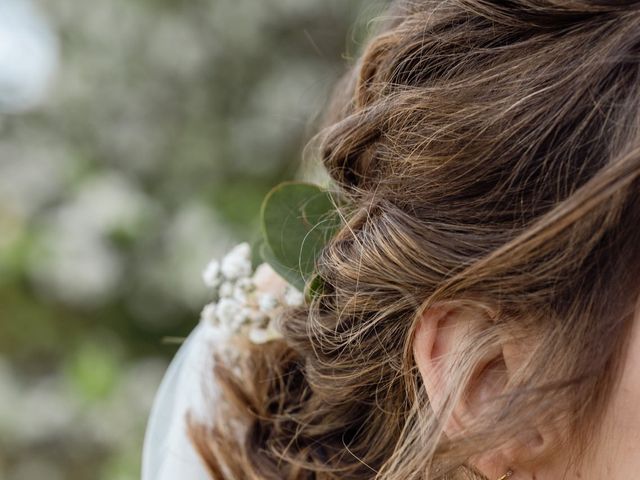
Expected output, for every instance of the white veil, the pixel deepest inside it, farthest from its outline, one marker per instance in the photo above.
(168, 453)
(243, 301)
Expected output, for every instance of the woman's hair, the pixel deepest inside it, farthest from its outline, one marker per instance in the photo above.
(485, 153)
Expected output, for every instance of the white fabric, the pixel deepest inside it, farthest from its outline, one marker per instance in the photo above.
(168, 453)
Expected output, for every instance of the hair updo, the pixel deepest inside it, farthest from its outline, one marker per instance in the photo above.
(486, 152)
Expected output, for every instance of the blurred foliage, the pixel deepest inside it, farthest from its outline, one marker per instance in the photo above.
(166, 124)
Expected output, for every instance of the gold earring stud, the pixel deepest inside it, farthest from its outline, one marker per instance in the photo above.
(506, 475)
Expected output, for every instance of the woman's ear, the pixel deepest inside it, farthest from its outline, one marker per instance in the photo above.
(440, 336)
(442, 332)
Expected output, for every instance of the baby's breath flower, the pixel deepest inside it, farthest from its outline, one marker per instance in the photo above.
(237, 321)
(293, 297)
(237, 263)
(246, 300)
(245, 284)
(226, 290)
(209, 313)
(227, 309)
(211, 274)
(242, 289)
(246, 314)
(262, 335)
(267, 302)
(258, 318)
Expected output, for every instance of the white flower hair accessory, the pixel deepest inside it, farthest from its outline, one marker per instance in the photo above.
(297, 220)
(245, 302)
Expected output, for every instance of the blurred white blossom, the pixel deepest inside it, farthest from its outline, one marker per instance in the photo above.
(103, 204)
(81, 270)
(136, 139)
(193, 235)
(32, 173)
(28, 55)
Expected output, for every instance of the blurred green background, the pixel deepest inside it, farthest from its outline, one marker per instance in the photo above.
(138, 138)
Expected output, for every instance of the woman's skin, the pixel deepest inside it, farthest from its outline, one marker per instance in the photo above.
(613, 455)
(616, 451)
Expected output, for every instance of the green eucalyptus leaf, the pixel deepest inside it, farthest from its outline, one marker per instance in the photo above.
(297, 221)
(315, 287)
(291, 275)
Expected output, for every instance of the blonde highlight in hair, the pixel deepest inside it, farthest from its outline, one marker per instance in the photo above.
(486, 154)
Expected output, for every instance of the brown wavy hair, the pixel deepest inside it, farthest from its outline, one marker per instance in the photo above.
(485, 152)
